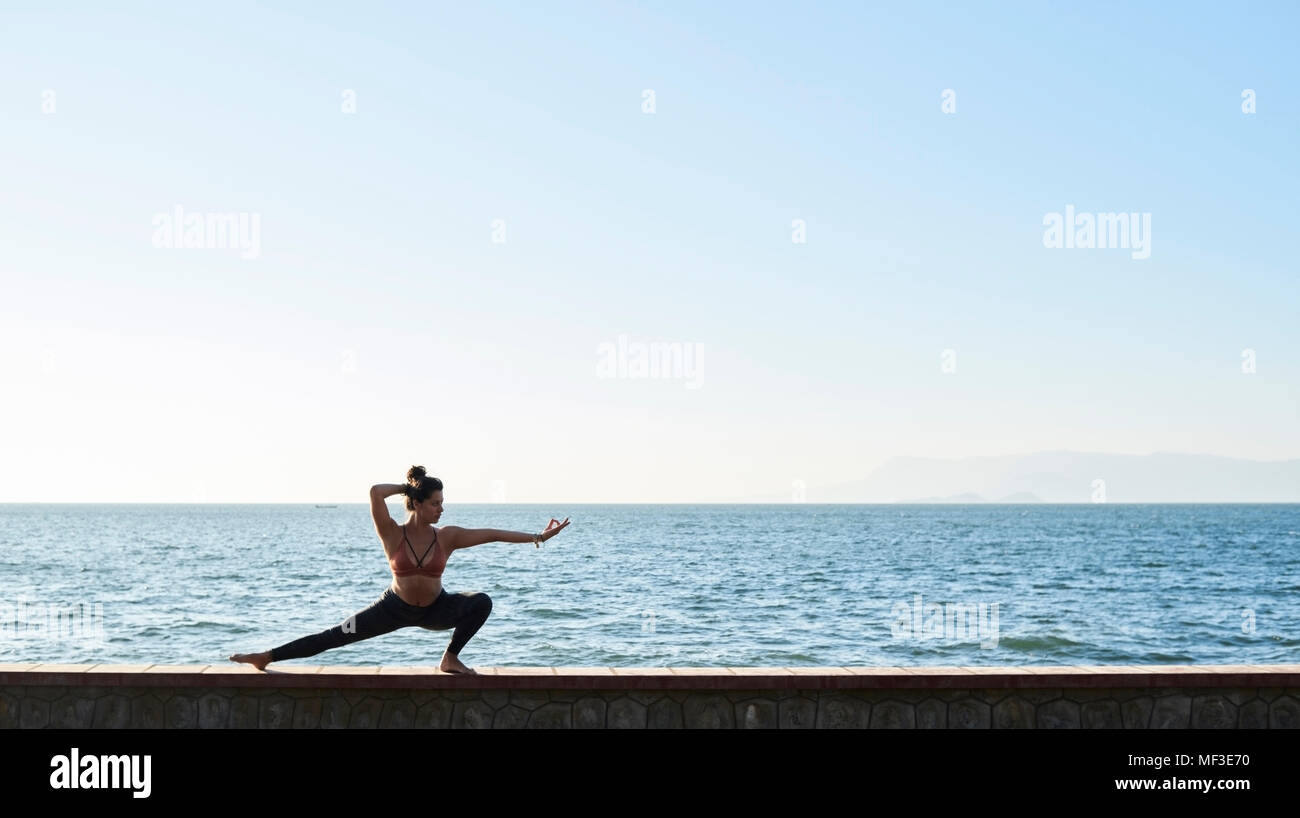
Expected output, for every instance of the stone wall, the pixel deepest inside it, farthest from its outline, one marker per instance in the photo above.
(70, 696)
(86, 707)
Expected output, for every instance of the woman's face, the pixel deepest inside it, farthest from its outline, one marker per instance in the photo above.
(431, 509)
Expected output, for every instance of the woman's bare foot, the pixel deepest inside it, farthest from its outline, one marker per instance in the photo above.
(452, 664)
(257, 660)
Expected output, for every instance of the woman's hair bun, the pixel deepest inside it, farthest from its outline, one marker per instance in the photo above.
(419, 487)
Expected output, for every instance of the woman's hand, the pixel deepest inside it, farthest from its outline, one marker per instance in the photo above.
(552, 528)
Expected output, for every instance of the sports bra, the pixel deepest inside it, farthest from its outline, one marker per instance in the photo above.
(403, 565)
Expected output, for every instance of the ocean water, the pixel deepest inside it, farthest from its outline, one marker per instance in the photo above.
(680, 585)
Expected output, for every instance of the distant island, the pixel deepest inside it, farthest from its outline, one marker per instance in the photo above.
(971, 497)
(1066, 477)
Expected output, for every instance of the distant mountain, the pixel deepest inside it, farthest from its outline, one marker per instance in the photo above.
(965, 497)
(971, 497)
(1021, 497)
(1072, 477)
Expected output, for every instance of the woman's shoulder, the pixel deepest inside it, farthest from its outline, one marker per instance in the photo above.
(392, 536)
(447, 535)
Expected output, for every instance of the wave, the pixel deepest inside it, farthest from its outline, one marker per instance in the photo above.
(1039, 643)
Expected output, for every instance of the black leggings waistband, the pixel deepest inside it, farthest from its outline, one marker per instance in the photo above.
(391, 596)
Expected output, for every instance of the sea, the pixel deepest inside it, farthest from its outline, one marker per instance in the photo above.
(670, 585)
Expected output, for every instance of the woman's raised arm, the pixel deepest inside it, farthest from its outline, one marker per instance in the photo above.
(384, 522)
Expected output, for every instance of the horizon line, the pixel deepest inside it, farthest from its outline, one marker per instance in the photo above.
(677, 503)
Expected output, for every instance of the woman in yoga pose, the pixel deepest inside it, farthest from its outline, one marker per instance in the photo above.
(416, 596)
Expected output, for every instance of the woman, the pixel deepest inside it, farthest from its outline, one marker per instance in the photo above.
(416, 596)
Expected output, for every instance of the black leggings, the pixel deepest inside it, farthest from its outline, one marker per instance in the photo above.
(465, 611)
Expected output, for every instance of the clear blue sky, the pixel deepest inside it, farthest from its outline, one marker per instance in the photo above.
(381, 326)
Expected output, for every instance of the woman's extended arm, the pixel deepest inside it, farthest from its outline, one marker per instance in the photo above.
(467, 537)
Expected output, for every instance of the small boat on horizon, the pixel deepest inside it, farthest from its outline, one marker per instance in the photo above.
(332, 505)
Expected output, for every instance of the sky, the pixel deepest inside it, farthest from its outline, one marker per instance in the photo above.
(473, 221)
